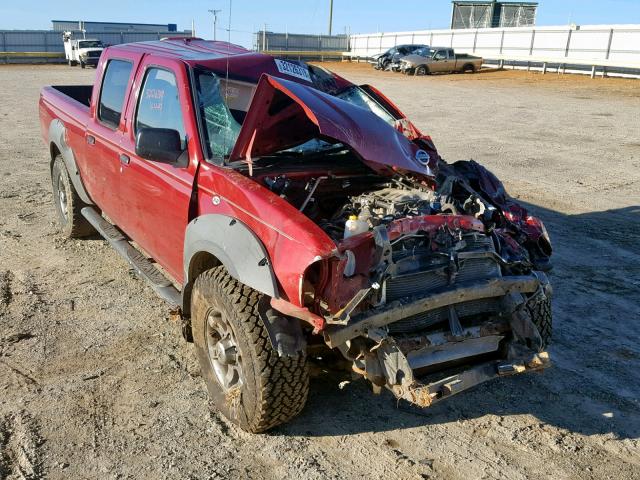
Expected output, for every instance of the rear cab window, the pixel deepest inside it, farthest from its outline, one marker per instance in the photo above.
(113, 92)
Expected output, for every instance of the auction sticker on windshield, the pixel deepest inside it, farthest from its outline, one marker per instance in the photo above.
(293, 69)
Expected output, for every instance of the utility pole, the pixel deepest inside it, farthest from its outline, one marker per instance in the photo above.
(330, 15)
(215, 21)
(264, 37)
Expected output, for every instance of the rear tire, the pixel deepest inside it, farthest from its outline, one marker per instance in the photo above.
(422, 70)
(82, 64)
(249, 383)
(542, 318)
(469, 68)
(68, 203)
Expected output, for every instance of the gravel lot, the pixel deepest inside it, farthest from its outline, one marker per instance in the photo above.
(95, 381)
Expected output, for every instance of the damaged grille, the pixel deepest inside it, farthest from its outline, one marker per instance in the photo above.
(433, 317)
(420, 283)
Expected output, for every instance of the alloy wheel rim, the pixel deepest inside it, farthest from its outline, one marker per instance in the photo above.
(223, 351)
(62, 197)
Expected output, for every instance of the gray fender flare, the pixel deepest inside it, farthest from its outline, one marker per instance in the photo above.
(244, 256)
(56, 136)
(235, 246)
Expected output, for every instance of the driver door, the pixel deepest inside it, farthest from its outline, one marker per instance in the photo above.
(442, 61)
(157, 195)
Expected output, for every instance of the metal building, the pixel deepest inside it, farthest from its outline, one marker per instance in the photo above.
(492, 14)
(265, 40)
(79, 25)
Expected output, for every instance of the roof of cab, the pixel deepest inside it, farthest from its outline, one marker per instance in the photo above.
(190, 48)
(221, 57)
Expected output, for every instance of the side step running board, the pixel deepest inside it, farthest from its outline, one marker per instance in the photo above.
(142, 266)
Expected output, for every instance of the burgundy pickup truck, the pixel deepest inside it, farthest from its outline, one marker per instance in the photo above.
(287, 214)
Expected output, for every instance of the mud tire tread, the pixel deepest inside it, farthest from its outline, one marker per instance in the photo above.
(281, 383)
(74, 225)
(542, 318)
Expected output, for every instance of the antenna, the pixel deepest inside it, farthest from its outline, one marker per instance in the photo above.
(226, 79)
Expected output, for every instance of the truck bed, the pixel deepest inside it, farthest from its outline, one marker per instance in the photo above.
(467, 56)
(80, 93)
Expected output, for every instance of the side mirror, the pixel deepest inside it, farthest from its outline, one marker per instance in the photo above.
(159, 145)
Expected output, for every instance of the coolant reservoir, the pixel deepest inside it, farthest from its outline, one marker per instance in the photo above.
(355, 226)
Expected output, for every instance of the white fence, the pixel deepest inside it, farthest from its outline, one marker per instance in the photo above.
(609, 46)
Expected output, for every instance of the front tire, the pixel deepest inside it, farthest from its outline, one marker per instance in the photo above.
(68, 203)
(542, 318)
(249, 383)
(422, 70)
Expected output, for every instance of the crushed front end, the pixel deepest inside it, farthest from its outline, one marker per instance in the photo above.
(437, 280)
(441, 293)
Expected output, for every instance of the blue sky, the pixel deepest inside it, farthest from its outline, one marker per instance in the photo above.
(295, 16)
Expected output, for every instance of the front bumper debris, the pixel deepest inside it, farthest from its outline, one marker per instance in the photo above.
(358, 325)
(426, 394)
(508, 343)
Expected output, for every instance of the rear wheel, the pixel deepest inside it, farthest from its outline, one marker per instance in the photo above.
(68, 203)
(247, 380)
(469, 68)
(422, 70)
(542, 318)
(82, 64)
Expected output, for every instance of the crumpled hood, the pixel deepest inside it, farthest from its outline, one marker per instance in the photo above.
(284, 114)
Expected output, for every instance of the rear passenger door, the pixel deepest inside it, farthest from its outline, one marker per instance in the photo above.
(100, 165)
(157, 195)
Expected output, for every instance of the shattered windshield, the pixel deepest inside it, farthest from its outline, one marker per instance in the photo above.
(357, 96)
(221, 125)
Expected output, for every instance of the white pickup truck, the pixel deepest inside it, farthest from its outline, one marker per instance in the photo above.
(83, 51)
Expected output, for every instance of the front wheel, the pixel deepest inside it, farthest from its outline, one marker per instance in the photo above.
(247, 380)
(422, 70)
(543, 319)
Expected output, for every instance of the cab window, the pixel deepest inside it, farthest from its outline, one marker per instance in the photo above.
(114, 89)
(159, 103)
(441, 55)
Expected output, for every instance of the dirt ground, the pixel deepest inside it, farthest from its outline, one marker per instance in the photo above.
(96, 382)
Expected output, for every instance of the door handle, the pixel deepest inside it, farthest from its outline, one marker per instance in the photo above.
(91, 140)
(124, 159)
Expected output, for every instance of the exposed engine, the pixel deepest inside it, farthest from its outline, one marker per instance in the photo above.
(402, 198)
(392, 202)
